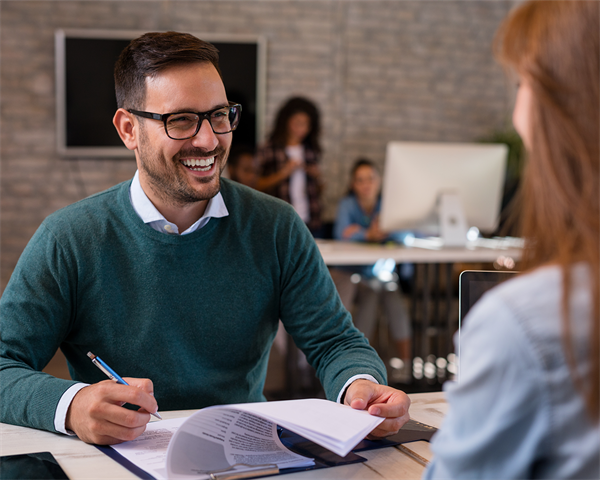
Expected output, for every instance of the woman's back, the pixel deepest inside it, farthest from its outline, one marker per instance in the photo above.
(515, 411)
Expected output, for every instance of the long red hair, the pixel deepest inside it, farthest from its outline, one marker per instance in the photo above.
(554, 46)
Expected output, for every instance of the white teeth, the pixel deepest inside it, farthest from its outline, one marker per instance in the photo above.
(194, 162)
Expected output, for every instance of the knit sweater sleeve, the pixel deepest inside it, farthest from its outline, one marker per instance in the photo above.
(313, 314)
(35, 312)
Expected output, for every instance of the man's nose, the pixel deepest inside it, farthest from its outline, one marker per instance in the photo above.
(205, 138)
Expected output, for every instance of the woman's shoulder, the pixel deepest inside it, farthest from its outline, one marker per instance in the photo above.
(538, 289)
(530, 306)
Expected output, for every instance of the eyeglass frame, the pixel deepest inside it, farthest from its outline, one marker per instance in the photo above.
(163, 117)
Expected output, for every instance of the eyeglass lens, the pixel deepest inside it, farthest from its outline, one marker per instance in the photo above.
(184, 125)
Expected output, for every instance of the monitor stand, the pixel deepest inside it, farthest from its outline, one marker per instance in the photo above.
(453, 222)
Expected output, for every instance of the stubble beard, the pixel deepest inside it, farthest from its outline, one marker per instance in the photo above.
(170, 183)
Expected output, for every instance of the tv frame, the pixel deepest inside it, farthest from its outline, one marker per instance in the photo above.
(60, 37)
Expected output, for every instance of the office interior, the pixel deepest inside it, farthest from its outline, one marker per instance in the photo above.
(379, 71)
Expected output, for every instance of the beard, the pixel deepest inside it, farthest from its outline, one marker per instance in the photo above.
(169, 181)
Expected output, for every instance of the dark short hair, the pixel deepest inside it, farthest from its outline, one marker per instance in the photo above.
(295, 105)
(152, 53)
(360, 162)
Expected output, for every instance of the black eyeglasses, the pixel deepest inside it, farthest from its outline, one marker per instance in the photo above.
(184, 125)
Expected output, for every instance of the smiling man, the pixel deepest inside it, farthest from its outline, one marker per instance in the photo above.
(176, 278)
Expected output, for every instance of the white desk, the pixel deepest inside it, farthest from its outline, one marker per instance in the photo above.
(338, 253)
(82, 461)
(433, 309)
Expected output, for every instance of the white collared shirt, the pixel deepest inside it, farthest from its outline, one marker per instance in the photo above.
(150, 215)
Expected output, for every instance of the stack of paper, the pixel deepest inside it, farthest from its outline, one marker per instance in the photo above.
(244, 437)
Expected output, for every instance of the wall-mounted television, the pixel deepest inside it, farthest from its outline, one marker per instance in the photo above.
(85, 91)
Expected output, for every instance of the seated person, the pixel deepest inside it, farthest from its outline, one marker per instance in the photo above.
(527, 403)
(357, 220)
(242, 166)
(176, 277)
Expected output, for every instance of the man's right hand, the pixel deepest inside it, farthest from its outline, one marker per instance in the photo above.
(96, 413)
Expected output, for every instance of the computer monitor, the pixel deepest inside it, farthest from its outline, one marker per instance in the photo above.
(443, 189)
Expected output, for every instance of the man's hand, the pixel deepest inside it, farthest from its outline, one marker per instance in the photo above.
(96, 414)
(381, 401)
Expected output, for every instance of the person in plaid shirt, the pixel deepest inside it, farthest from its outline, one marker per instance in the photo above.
(289, 161)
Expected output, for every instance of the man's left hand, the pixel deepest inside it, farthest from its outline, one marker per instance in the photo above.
(381, 401)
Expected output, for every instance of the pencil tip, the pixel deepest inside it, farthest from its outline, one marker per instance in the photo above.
(91, 355)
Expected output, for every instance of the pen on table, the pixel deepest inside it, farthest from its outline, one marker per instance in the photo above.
(110, 373)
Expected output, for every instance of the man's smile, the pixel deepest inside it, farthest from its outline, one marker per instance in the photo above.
(199, 164)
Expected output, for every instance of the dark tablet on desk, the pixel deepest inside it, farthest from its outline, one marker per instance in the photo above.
(40, 465)
(472, 284)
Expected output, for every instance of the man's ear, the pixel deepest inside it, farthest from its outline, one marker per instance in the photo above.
(127, 130)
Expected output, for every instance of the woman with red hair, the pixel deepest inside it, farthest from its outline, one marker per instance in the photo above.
(527, 402)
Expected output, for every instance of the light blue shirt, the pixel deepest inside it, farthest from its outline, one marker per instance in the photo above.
(350, 213)
(516, 412)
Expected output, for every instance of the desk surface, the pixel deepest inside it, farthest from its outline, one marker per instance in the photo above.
(82, 461)
(336, 252)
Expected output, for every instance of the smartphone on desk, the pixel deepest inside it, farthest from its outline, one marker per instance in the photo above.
(39, 465)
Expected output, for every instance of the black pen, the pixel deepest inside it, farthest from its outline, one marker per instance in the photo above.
(110, 373)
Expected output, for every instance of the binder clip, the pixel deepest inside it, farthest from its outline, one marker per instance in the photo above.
(250, 471)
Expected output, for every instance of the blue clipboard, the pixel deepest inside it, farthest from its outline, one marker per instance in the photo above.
(412, 431)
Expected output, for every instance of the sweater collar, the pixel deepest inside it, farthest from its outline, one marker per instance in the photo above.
(150, 215)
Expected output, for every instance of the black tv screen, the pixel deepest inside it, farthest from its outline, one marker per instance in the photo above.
(86, 101)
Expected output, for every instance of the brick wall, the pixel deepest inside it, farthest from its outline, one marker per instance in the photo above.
(379, 71)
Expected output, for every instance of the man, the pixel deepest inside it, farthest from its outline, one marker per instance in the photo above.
(176, 276)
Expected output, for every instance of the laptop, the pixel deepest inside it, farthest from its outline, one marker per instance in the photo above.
(472, 284)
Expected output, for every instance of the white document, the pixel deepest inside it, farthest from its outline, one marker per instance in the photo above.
(149, 450)
(244, 437)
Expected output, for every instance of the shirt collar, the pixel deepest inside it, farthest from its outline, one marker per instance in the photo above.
(150, 215)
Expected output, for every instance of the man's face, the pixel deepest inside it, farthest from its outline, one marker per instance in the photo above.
(182, 172)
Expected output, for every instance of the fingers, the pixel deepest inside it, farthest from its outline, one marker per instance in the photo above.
(96, 414)
(389, 426)
(144, 384)
(381, 401)
(389, 403)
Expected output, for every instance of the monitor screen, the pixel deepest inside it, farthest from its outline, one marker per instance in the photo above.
(417, 174)
(86, 101)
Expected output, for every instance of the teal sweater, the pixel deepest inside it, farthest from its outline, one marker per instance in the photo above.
(196, 313)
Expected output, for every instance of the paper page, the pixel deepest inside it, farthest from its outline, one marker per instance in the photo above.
(215, 439)
(333, 426)
(149, 450)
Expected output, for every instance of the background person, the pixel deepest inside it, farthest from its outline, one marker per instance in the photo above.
(289, 161)
(527, 403)
(358, 220)
(242, 167)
